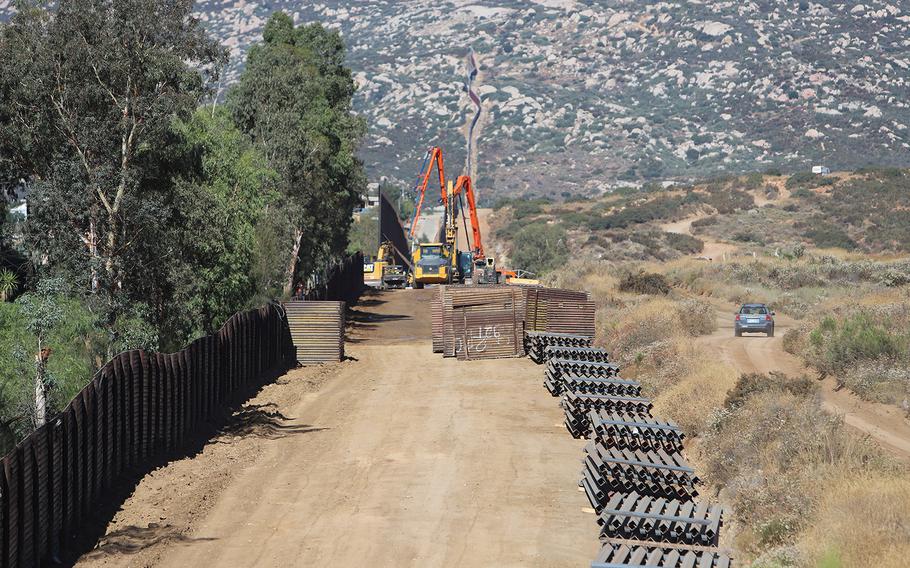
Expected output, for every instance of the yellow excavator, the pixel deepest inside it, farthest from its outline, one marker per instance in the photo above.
(383, 272)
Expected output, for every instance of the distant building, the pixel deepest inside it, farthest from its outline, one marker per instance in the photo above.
(371, 199)
(821, 170)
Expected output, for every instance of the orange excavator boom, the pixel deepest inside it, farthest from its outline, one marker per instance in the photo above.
(432, 158)
(463, 185)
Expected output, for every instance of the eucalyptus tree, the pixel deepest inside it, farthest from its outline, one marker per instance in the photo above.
(90, 90)
(294, 101)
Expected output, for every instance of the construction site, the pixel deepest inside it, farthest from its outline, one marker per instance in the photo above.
(433, 408)
(472, 456)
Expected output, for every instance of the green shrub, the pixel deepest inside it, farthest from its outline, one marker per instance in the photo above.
(705, 221)
(658, 208)
(750, 384)
(748, 237)
(835, 345)
(686, 244)
(753, 180)
(800, 179)
(539, 248)
(644, 283)
(523, 209)
(830, 236)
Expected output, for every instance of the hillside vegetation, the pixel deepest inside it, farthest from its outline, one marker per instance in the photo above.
(825, 250)
(866, 211)
(579, 93)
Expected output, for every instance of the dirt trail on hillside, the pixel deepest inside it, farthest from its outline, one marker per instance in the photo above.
(713, 250)
(759, 354)
(397, 458)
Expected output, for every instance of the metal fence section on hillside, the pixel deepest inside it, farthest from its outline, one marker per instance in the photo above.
(340, 281)
(137, 406)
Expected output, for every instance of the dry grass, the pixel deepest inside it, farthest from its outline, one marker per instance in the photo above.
(801, 488)
(862, 520)
(691, 402)
(776, 457)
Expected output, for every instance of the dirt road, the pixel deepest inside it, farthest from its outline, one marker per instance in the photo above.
(398, 458)
(760, 354)
(885, 423)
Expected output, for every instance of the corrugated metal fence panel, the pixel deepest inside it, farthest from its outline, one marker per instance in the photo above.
(11, 512)
(137, 406)
(70, 475)
(448, 323)
(58, 481)
(42, 500)
(571, 316)
(488, 321)
(539, 312)
(317, 330)
(436, 319)
(26, 503)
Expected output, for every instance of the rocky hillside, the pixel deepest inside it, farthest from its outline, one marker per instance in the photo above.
(580, 94)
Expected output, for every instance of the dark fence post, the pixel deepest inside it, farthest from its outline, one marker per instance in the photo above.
(11, 515)
(40, 490)
(57, 481)
(137, 405)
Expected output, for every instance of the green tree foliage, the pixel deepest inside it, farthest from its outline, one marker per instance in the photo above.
(162, 216)
(8, 283)
(91, 91)
(294, 101)
(364, 236)
(206, 243)
(47, 318)
(539, 248)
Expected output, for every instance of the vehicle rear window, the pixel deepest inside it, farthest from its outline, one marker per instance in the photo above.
(753, 310)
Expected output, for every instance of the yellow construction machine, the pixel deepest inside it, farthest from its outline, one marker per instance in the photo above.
(442, 262)
(382, 272)
(433, 264)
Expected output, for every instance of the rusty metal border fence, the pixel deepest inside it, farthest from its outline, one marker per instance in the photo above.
(137, 406)
(341, 281)
(467, 314)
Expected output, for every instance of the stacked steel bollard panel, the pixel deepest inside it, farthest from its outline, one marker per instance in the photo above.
(635, 474)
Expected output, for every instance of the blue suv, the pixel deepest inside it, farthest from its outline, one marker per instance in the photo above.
(754, 318)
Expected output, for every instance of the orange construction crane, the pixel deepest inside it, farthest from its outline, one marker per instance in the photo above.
(463, 185)
(432, 158)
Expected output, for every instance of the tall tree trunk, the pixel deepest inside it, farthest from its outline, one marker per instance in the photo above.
(92, 242)
(292, 263)
(40, 387)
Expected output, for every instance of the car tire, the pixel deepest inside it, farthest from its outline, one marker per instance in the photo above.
(737, 333)
(771, 332)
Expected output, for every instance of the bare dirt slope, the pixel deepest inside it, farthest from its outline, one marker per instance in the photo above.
(760, 354)
(398, 457)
